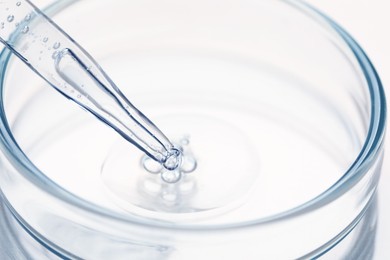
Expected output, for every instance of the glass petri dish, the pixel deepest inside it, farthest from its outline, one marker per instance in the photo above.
(281, 109)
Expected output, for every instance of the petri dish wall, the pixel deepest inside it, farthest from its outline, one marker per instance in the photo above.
(280, 112)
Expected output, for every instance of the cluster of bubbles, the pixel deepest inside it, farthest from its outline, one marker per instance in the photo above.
(10, 18)
(180, 162)
(24, 29)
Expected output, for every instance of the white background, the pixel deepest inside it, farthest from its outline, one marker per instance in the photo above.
(368, 21)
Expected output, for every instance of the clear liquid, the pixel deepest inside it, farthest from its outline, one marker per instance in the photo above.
(276, 152)
(231, 130)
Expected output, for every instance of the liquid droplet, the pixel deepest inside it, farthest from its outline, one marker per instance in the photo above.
(2, 25)
(169, 196)
(151, 165)
(185, 141)
(28, 17)
(10, 18)
(188, 164)
(56, 45)
(173, 160)
(25, 29)
(18, 3)
(45, 39)
(54, 55)
(171, 176)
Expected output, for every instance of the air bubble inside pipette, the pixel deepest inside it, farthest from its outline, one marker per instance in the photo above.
(38, 41)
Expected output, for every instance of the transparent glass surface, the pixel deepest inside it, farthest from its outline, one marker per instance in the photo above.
(279, 112)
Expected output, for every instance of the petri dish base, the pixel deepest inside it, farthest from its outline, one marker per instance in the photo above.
(282, 137)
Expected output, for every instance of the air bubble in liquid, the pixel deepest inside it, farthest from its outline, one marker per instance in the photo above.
(173, 160)
(171, 176)
(169, 196)
(27, 17)
(184, 141)
(45, 39)
(151, 165)
(25, 29)
(10, 18)
(55, 54)
(56, 45)
(2, 25)
(18, 3)
(188, 164)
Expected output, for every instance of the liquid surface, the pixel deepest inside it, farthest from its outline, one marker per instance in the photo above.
(250, 137)
(256, 155)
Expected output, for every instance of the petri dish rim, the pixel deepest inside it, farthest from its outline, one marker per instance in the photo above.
(356, 171)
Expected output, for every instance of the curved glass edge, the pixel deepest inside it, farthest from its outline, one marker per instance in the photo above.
(370, 151)
(373, 145)
(368, 214)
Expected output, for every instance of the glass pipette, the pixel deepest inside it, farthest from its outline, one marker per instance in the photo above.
(66, 66)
